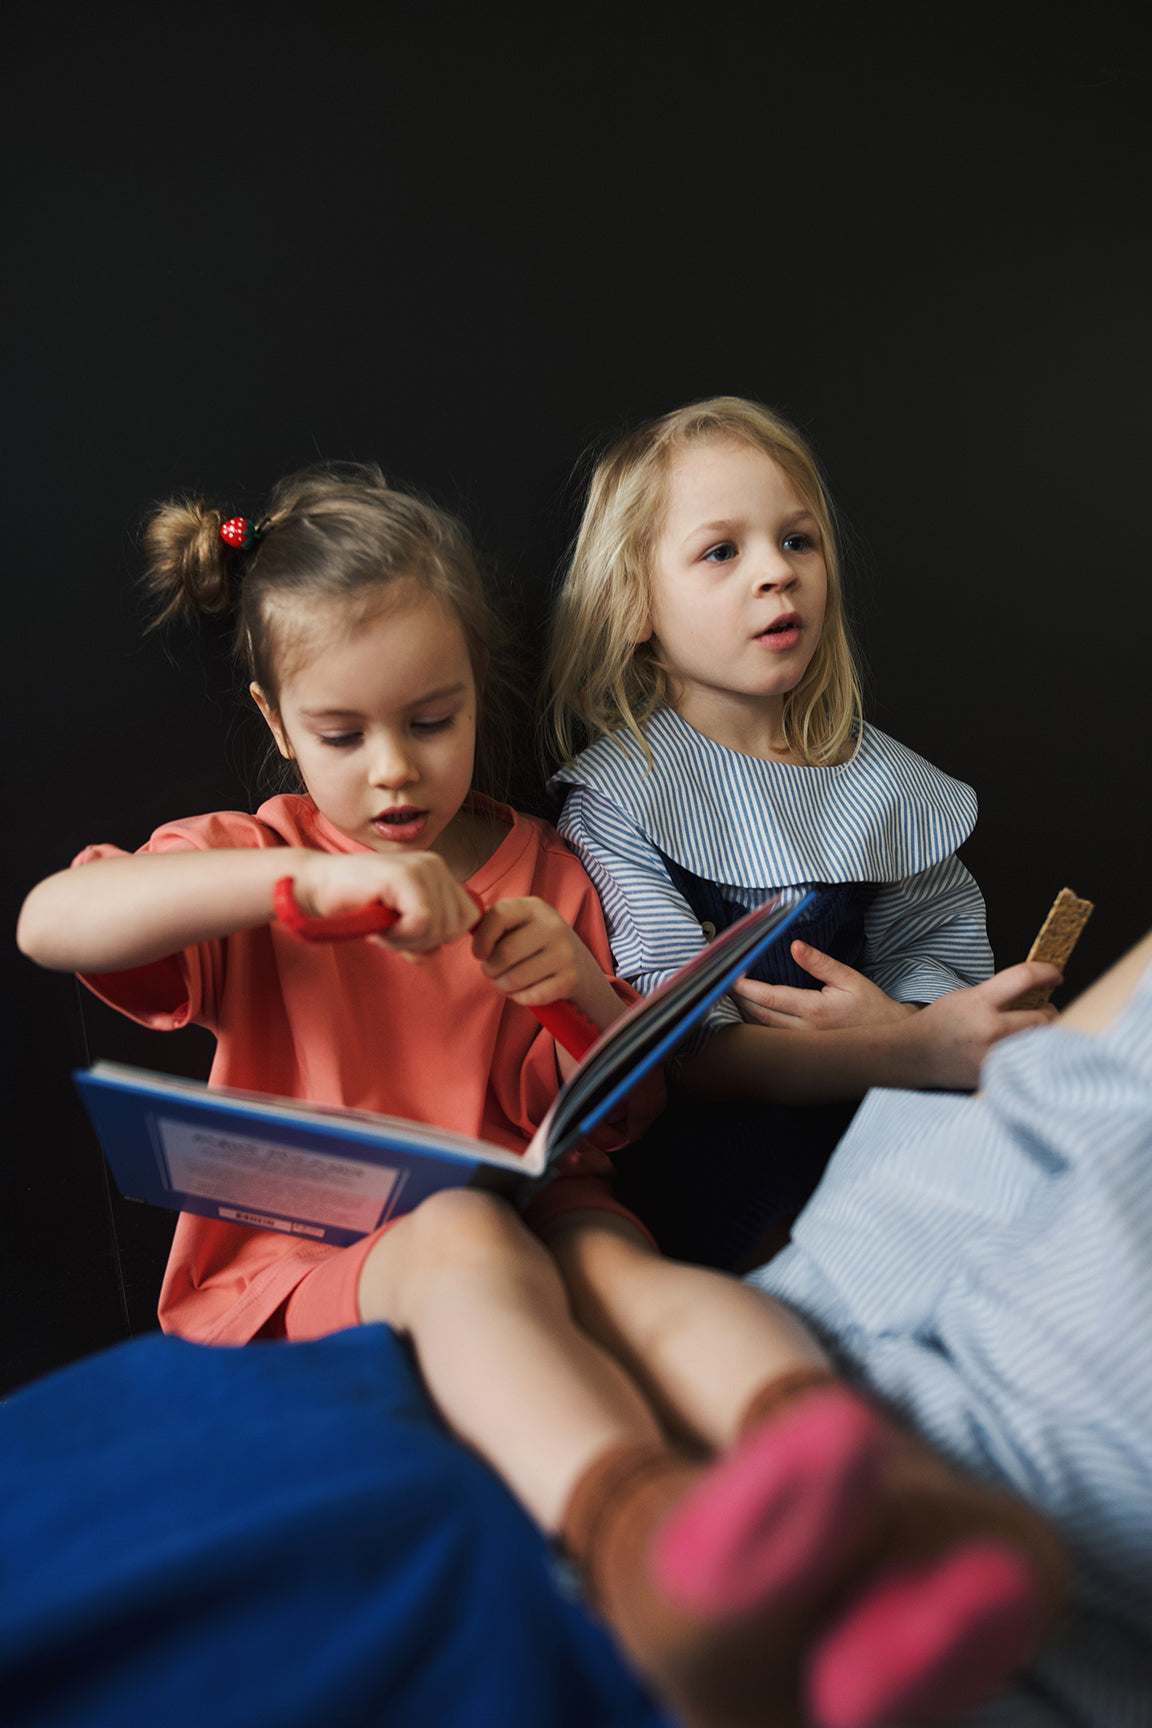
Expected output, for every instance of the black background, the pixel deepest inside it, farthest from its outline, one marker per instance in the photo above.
(472, 244)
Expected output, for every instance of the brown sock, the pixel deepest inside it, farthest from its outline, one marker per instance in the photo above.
(839, 1537)
(713, 1676)
(786, 1389)
(608, 1524)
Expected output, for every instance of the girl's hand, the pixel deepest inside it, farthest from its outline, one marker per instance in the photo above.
(956, 1032)
(531, 954)
(846, 998)
(432, 907)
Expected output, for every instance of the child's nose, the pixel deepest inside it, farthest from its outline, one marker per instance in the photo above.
(392, 765)
(773, 571)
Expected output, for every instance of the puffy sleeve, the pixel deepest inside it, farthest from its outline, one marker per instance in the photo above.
(652, 930)
(926, 935)
(185, 987)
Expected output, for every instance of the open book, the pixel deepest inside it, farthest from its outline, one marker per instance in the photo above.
(334, 1175)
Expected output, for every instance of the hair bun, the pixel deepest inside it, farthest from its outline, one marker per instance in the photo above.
(189, 558)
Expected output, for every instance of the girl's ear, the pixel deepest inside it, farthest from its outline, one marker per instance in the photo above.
(645, 634)
(273, 720)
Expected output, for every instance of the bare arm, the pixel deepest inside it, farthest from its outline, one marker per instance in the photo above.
(115, 913)
(1099, 1005)
(941, 1045)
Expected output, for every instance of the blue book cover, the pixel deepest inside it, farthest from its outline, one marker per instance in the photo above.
(333, 1175)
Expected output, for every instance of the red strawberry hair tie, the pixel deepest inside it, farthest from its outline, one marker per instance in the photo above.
(239, 533)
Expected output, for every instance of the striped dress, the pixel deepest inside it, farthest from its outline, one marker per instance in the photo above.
(706, 816)
(985, 1264)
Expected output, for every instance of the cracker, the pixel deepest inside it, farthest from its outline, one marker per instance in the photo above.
(1058, 935)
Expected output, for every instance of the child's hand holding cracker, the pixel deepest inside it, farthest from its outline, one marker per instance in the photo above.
(959, 1029)
(953, 1035)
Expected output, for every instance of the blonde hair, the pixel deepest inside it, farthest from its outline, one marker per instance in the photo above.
(341, 534)
(601, 677)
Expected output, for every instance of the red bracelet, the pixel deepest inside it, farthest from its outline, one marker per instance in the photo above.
(364, 921)
(340, 928)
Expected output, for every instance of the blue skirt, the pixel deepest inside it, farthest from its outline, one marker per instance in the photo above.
(279, 1536)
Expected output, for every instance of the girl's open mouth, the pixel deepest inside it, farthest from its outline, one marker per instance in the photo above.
(784, 633)
(400, 825)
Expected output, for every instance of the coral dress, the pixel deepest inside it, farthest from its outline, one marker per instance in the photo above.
(347, 1024)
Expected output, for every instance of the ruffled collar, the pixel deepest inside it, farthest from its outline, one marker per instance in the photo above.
(881, 816)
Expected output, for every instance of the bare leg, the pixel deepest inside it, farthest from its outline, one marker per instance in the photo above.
(915, 1590)
(502, 1357)
(562, 1422)
(699, 1343)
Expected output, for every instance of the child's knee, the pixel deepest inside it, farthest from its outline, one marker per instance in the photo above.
(459, 1239)
(465, 1223)
(603, 1264)
(592, 1242)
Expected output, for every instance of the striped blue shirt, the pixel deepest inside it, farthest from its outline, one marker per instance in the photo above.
(759, 828)
(985, 1264)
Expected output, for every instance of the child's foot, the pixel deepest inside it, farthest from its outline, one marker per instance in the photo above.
(949, 1633)
(914, 1590)
(782, 1516)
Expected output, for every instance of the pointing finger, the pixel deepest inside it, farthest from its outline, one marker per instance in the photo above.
(823, 966)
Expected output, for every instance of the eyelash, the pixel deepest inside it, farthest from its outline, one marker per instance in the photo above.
(422, 729)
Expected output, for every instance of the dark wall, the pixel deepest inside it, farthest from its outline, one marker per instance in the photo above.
(243, 237)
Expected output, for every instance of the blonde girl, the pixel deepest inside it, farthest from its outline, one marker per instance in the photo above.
(706, 707)
(598, 1379)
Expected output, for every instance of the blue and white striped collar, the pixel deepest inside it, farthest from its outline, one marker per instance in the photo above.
(883, 815)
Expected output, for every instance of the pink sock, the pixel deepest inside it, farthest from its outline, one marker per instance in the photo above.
(927, 1640)
(780, 1515)
(903, 1589)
